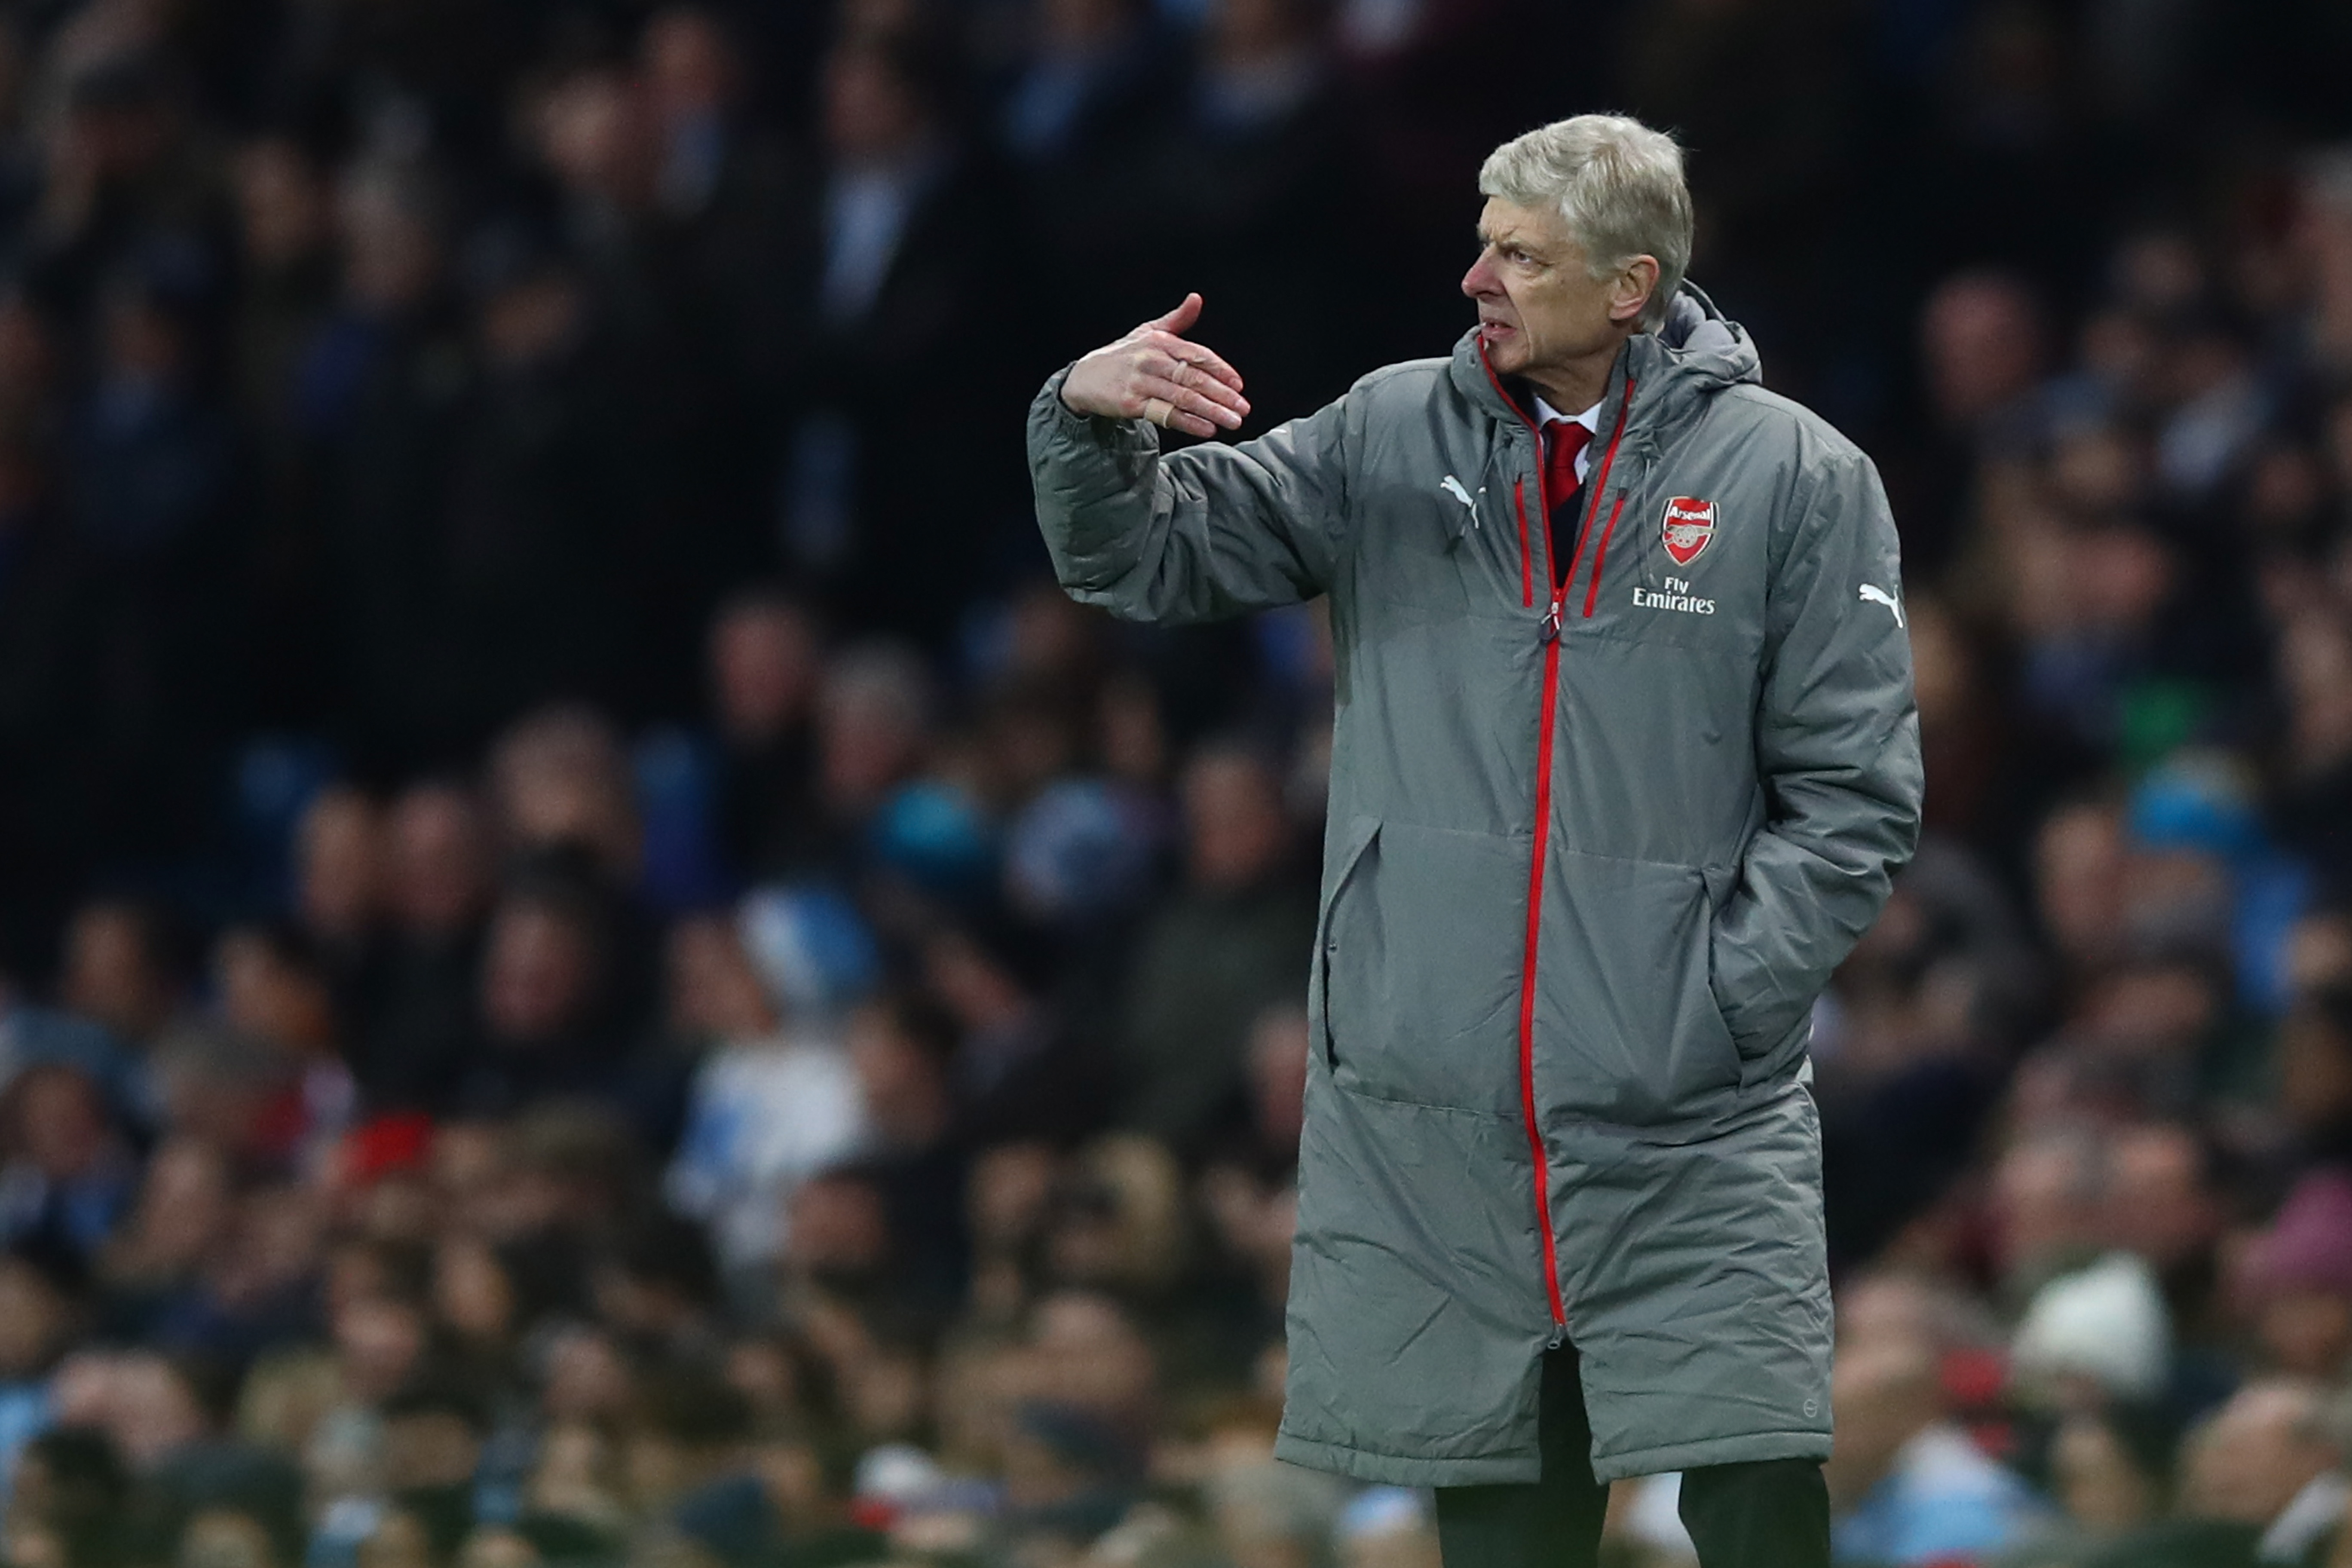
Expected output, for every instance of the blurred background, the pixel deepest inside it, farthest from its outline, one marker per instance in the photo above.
(594, 967)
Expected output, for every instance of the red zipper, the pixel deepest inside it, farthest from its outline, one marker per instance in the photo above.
(1551, 633)
(1591, 510)
(1600, 558)
(1528, 990)
(1527, 559)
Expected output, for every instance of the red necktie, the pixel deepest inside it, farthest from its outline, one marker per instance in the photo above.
(1563, 440)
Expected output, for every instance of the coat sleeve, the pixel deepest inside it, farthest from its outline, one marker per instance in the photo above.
(1195, 535)
(1837, 751)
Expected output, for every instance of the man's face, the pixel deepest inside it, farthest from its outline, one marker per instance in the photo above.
(1232, 812)
(536, 978)
(1539, 307)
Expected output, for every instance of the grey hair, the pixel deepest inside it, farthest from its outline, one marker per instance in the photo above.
(1619, 184)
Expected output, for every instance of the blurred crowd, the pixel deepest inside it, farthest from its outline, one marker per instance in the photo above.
(595, 968)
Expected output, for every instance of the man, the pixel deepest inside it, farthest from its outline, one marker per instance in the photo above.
(1218, 953)
(1625, 757)
(1910, 1484)
(898, 250)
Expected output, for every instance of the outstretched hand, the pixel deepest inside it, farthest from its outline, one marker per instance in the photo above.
(1154, 373)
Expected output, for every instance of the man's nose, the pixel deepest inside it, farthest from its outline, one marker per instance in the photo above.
(1480, 279)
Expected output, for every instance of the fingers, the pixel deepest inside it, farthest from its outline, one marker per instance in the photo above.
(1182, 317)
(1153, 335)
(1197, 378)
(1161, 412)
(1165, 333)
(1204, 359)
(1190, 410)
(1177, 385)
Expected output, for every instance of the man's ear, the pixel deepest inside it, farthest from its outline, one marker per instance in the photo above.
(1636, 281)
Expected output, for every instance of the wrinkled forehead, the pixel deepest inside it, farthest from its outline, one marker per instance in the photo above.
(1541, 230)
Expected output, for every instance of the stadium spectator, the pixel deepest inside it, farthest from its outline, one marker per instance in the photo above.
(1213, 961)
(771, 1104)
(764, 664)
(1909, 1485)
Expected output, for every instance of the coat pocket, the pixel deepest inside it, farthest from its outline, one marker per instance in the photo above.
(1627, 1029)
(1423, 938)
(1342, 856)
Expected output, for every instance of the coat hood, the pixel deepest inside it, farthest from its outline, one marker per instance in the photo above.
(1700, 341)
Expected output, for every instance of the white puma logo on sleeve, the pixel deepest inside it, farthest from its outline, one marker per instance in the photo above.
(1873, 595)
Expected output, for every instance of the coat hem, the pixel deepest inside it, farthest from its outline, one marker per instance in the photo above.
(1408, 1471)
(1748, 1448)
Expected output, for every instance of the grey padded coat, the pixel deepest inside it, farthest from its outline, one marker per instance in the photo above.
(1590, 858)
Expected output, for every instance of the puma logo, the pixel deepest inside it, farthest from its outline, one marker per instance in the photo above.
(1454, 488)
(1873, 595)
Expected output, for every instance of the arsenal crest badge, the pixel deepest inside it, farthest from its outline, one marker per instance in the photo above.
(1689, 524)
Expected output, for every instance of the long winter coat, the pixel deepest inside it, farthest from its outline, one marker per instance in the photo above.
(1590, 858)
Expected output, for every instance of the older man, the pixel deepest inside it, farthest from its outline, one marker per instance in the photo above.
(1625, 757)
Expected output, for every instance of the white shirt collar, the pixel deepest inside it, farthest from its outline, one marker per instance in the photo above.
(1590, 419)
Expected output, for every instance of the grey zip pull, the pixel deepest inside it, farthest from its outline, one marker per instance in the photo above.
(1558, 1337)
(1551, 623)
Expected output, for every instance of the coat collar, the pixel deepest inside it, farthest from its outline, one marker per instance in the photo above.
(1696, 354)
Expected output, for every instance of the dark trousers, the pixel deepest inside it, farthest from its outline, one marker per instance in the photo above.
(1770, 1513)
